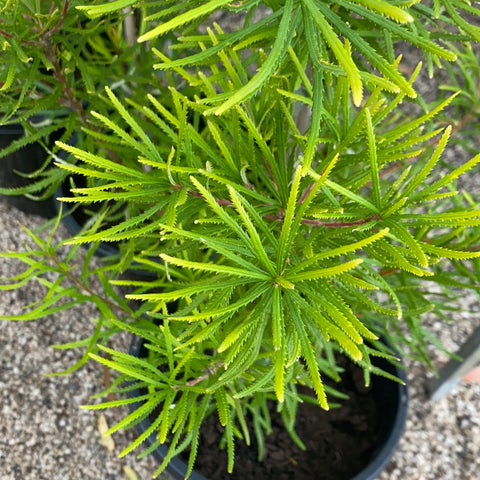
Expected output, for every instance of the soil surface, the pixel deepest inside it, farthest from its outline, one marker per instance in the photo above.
(339, 442)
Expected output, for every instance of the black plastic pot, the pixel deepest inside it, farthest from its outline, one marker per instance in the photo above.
(26, 160)
(392, 404)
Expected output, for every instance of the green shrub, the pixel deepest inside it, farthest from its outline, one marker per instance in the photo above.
(269, 178)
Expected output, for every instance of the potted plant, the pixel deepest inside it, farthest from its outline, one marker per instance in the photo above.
(292, 214)
(54, 65)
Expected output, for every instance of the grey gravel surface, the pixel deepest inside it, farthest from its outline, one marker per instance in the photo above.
(44, 435)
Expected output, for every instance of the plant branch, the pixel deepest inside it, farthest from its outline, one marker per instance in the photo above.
(319, 223)
(72, 101)
(85, 288)
(63, 14)
(207, 373)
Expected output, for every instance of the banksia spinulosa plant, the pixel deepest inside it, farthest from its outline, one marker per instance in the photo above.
(286, 207)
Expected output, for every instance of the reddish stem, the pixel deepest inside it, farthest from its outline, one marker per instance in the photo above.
(60, 20)
(220, 201)
(306, 193)
(209, 371)
(319, 223)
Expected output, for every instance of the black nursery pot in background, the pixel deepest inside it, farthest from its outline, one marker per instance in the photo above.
(76, 219)
(26, 160)
(390, 401)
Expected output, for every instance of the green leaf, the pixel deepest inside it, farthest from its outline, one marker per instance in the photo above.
(151, 148)
(138, 414)
(316, 122)
(377, 60)
(413, 38)
(225, 247)
(101, 162)
(207, 285)
(230, 443)
(449, 178)
(286, 239)
(212, 202)
(130, 371)
(427, 168)
(308, 355)
(401, 234)
(117, 403)
(372, 148)
(255, 239)
(351, 195)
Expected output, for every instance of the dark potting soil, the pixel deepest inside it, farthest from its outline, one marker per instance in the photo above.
(339, 442)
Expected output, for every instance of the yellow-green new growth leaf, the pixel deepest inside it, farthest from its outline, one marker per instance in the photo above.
(279, 378)
(212, 267)
(285, 34)
(278, 326)
(256, 241)
(105, 8)
(222, 405)
(397, 256)
(357, 282)
(342, 54)
(330, 330)
(324, 272)
(187, 17)
(225, 149)
(386, 9)
(7, 83)
(285, 234)
(247, 298)
(237, 334)
(449, 253)
(343, 250)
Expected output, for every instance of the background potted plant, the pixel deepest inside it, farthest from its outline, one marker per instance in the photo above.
(295, 213)
(54, 65)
